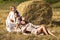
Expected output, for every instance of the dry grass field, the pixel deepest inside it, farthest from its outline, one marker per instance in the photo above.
(4, 35)
(55, 27)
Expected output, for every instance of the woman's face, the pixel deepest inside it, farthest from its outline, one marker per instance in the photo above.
(13, 9)
(15, 15)
(23, 22)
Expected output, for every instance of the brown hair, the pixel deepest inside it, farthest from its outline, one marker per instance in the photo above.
(23, 20)
(17, 13)
(13, 7)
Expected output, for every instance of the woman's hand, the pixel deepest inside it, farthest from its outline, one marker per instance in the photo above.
(11, 20)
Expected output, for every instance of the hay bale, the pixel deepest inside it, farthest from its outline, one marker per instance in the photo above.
(35, 11)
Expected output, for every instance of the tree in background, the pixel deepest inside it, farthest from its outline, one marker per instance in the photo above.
(52, 1)
(13, 0)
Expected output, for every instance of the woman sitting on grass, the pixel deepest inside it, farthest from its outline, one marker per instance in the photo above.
(29, 27)
(11, 24)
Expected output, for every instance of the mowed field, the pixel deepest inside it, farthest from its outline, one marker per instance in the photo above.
(55, 28)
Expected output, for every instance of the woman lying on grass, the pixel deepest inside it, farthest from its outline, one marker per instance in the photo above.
(29, 27)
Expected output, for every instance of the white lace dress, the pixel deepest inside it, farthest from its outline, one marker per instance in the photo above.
(30, 27)
(10, 26)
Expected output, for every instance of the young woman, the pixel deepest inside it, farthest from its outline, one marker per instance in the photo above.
(11, 19)
(25, 26)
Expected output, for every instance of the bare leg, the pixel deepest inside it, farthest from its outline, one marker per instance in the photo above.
(51, 33)
(45, 30)
(17, 28)
(42, 28)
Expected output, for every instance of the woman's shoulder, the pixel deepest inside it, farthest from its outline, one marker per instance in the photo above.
(29, 24)
(11, 12)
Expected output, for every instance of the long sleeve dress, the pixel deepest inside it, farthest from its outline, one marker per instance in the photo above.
(10, 26)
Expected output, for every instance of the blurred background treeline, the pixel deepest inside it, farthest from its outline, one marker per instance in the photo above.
(7, 3)
(49, 1)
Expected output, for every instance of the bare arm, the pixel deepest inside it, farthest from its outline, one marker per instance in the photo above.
(10, 16)
(17, 26)
(11, 20)
(24, 30)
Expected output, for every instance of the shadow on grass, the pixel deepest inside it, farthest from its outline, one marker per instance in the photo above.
(56, 23)
(1, 23)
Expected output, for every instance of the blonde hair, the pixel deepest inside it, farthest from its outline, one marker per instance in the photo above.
(12, 7)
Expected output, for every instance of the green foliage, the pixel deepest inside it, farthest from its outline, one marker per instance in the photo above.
(18, 0)
(1, 1)
(13, 0)
(5, 4)
(52, 1)
(56, 5)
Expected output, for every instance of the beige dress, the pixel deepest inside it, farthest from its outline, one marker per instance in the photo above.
(30, 27)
